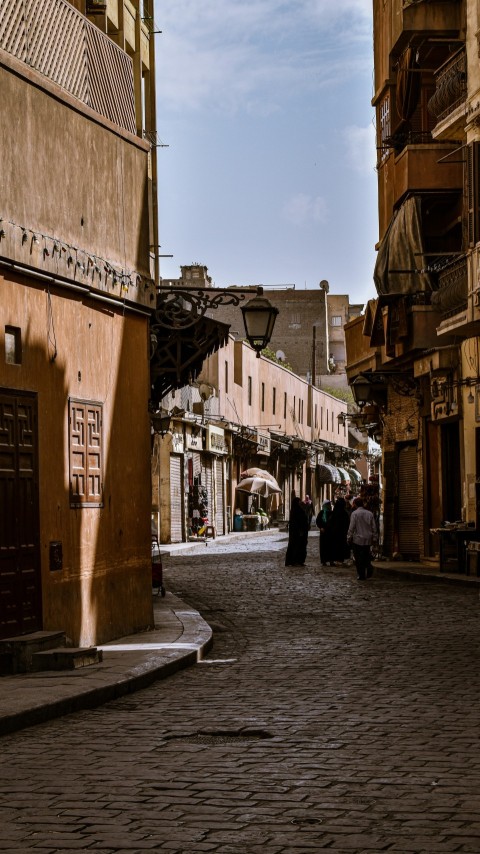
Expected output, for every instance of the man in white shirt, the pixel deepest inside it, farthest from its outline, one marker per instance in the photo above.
(362, 532)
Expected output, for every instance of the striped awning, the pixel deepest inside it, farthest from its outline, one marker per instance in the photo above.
(328, 474)
(344, 475)
(356, 477)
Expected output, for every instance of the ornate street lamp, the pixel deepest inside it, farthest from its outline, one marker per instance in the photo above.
(181, 307)
(368, 389)
(259, 317)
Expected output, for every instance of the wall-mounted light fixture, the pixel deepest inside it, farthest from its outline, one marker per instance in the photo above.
(259, 317)
(372, 387)
(161, 422)
(180, 308)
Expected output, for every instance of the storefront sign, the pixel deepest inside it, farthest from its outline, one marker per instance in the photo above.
(263, 444)
(216, 443)
(177, 443)
(194, 443)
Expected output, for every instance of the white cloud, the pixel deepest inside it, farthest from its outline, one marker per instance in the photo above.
(360, 152)
(302, 209)
(238, 54)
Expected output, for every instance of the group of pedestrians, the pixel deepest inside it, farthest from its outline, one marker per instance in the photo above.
(343, 528)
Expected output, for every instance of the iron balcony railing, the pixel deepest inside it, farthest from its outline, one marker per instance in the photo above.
(450, 86)
(452, 294)
(58, 41)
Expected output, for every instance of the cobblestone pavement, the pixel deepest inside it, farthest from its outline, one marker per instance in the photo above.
(330, 715)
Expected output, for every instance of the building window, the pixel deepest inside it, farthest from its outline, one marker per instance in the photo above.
(263, 397)
(13, 345)
(316, 415)
(226, 377)
(249, 390)
(86, 454)
(285, 404)
(321, 418)
(384, 128)
(300, 411)
(327, 419)
(274, 399)
(336, 320)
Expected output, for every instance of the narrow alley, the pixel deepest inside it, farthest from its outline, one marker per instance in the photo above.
(329, 715)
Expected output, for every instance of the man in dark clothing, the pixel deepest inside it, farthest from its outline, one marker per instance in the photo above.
(362, 532)
(297, 535)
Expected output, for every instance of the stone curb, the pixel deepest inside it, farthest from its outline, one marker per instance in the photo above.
(135, 670)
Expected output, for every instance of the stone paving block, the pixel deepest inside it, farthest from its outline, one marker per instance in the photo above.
(346, 683)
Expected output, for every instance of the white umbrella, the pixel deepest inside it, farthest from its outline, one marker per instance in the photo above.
(255, 472)
(259, 486)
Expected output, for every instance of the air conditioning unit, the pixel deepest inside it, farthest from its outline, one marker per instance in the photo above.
(96, 6)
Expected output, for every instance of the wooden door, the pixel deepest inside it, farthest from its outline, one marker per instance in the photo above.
(20, 577)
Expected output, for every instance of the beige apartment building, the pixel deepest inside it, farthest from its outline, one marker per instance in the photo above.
(242, 412)
(77, 283)
(418, 344)
(309, 329)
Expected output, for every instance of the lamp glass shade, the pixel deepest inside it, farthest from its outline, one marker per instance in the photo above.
(361, 388)
(259, 317)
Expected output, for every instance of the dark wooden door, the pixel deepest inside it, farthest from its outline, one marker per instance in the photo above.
(20, 578)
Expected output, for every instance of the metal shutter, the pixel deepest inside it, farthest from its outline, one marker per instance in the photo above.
(408, 504)
(207, 482)
(219, 506)
(176, 499)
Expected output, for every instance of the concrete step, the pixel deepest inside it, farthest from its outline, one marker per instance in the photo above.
(66, 658)
(16, 653)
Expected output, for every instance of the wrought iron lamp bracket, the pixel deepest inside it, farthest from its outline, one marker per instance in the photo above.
(181, 308)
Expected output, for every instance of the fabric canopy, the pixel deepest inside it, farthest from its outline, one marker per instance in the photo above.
(328, 474)
(356, 477)
(408, 84)
(344, 475)
(401, 249)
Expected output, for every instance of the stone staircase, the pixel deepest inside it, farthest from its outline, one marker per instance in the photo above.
(40, 651)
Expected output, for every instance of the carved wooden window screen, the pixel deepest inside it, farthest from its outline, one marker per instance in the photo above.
(86, 454)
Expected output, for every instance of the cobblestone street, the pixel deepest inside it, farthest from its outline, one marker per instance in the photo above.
(329, 715)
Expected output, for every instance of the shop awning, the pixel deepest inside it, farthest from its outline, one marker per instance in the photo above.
(328, 474)
(344, 475)
(179, 354)
(356, 477)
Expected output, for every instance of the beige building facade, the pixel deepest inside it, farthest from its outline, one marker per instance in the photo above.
(77, 283)
(421, 336)
(242, 412)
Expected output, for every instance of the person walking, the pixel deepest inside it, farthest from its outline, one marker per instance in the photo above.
(362, 532)
(297, 535)
(308, 507)
(337, 530)
(323, 517)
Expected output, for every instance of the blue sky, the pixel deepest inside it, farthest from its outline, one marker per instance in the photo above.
(269, 173)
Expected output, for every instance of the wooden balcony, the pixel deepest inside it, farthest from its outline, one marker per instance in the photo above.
(419, 167)
(73, 53)
(404, 18)
(360, 355)
(398, 342)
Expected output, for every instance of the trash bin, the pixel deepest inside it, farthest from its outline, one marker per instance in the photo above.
(238, 522)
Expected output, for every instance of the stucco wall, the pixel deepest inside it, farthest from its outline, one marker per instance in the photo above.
(104, 588)
(72, 177)
(234, 403)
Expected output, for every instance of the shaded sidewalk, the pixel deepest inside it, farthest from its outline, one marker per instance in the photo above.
(180, 638)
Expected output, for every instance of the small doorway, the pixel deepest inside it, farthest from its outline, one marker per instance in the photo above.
(20, 574)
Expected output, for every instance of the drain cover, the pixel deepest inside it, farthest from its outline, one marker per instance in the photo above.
(221, 737)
